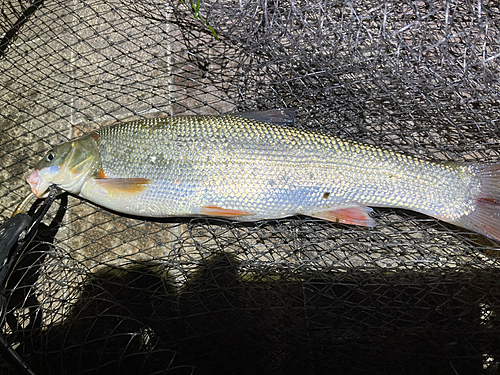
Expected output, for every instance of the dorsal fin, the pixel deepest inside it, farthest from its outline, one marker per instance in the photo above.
(273, 116)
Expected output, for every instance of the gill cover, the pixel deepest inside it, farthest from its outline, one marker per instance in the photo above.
(67, 165)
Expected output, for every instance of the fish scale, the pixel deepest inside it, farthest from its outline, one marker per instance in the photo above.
(269, 170)
(240, 167)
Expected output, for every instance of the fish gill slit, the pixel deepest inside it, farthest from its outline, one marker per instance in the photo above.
(82, 162)
(68, 159)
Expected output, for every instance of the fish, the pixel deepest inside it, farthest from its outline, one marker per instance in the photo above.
(253, 166)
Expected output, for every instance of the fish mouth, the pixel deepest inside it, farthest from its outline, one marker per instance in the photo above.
(39, 187)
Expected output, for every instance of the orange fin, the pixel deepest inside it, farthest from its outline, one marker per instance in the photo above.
(222, 212)
(355, 215)
(121, 186)
(101, 174)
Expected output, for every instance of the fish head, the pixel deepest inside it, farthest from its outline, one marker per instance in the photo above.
(68, 165)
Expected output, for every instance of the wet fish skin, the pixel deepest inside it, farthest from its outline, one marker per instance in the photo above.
(249, 170)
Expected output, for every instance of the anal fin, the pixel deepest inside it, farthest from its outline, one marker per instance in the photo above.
(222, 212)
(123, 186)
(354, 215)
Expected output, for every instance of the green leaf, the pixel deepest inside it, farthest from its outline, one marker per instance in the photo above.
(196, 12)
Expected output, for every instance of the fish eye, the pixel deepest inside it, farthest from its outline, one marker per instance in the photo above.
(50, 156)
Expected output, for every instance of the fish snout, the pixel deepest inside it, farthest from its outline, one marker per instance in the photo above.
(37, 184)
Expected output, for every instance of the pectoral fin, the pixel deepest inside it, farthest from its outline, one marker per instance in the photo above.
(355, 215)
(222, 212)
(123, 186)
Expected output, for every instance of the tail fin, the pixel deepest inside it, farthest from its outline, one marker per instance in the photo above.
(485, 219)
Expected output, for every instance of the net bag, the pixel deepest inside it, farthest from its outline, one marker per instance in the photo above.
(101, 293)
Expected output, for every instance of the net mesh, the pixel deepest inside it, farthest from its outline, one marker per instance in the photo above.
(105, 293)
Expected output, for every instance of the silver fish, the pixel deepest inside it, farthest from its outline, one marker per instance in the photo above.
(253, 166)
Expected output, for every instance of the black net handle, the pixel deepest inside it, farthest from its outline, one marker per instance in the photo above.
(15, 235)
